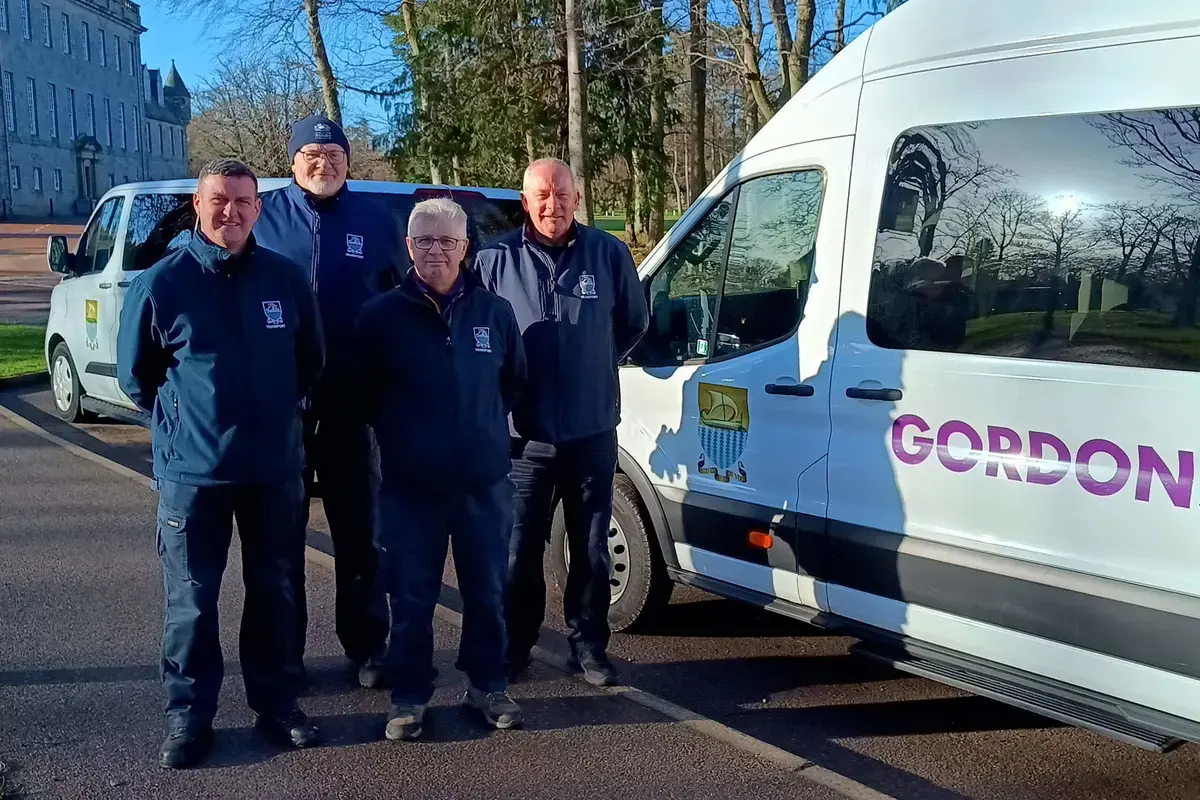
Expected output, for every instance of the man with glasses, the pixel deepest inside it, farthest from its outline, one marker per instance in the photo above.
(441, 364)
(350, 251)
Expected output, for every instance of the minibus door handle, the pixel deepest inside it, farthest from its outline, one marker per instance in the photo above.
(792, 389)
(858, 393)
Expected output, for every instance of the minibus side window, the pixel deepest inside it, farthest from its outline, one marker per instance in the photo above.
(98, 242)
(1063, 238)
(159, 224)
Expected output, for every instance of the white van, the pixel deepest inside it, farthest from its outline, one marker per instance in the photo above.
(134, 226)
(922, 362)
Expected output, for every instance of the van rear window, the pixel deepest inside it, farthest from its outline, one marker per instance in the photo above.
(1071, 238)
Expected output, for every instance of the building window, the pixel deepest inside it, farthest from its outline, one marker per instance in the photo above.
(137, 130)
(121, 126)
(108, 140)
(31, 89)
(14, 177)
(3, 15)
(65, 33)
(172, 142)
(112, 180)
(25, 19)
(149, 140)
(37, 179)
(103, 47)
(58, 180)
(10, 111)
(132, 57)
(47, 32)
(161, 149)
(85, 39)
(74, 129)
(117, 51)
(52, 98)
(91, 115)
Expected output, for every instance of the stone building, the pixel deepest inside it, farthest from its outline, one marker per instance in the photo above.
(81, 112)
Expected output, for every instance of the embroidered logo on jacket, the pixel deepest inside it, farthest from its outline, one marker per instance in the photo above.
(587, 286)
(354, 245)
(483, 340)
(273, 310)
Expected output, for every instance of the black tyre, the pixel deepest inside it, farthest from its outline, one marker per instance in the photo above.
(639, 580)
(64, 384)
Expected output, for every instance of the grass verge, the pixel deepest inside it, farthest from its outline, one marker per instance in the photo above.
(21, 350)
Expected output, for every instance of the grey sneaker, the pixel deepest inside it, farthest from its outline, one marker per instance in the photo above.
(371, 674)
(597, 670)
(497, 708)
(404, 723)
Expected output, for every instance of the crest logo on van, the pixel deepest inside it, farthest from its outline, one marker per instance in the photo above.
(724, 428)
(91, 316)
(354, 245)
(273, 310)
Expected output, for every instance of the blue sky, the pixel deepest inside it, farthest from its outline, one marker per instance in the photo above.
(197, 49)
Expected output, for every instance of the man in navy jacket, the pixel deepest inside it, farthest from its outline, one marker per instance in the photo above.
(441, 367)
(580, 306)
(350, 252)
(220, 342)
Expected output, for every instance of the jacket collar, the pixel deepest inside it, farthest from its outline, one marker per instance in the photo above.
(529, 236)
(415, 289)
(215, 258)
(304, 199)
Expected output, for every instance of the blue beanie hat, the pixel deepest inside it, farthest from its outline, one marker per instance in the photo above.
(316, 130)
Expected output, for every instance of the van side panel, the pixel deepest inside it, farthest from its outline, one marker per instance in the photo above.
(1069, 470)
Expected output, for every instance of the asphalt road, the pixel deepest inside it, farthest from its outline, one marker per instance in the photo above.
(81, 707)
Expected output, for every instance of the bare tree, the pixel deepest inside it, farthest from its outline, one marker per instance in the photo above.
(1062, 236)
(798, 64)
(1010, 212)
(839, 27)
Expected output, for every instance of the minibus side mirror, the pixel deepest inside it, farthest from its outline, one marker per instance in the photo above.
(58, 257)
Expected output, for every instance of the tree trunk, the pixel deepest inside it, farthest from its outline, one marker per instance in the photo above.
(329, 89)
(697, 178)
(798, 66)
(675, 180)
(839, 23)
(577, 109)
(632, 209)
(658, 197)
(414, 44)
(456, 170)
(750, 55)
(530, 151)
(783, 42)
(560, 59)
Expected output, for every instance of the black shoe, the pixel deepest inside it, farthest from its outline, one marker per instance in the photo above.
(597, 670)
(292, 729)
(371, 674)
(185, 747)
(405, 723)
(517, 665)
(498, 708)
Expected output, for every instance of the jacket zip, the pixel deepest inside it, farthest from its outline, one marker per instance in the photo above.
(316, 259)
(239, 313)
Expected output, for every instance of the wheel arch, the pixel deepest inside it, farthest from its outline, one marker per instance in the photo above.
(627, 466)
(51, 345)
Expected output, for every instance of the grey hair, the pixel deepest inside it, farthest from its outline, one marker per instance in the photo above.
(228, 168)
(557, 163)
(438, 207)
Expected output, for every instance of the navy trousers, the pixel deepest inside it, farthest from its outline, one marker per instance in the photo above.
(195, 528)
(342, 454)
(416, 531)
(579, 473)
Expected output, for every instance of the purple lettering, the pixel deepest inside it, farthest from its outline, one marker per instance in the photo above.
(1010, 446)
(1034, 472)
(924, 445)
(1150, 463)
(1083, 467)
(943, 445)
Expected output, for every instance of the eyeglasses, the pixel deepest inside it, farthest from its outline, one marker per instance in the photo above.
(334, 156)
(444, 242)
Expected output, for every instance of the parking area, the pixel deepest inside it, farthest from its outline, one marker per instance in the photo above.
(777, 709)
(25, 282)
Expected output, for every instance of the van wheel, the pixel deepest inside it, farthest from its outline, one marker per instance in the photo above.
(639, 581)
(64, 383)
